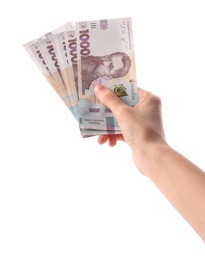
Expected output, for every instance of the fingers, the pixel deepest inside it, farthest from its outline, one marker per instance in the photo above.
(102, 139)
(108, 98)
(111, 139)
(107, 138)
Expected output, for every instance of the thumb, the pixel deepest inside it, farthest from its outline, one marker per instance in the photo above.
(108, 98)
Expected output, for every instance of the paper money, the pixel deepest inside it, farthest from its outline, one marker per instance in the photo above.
(74, 59)
(47, 53)
(105, 56)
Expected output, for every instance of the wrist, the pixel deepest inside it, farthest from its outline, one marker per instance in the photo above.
(148, 158)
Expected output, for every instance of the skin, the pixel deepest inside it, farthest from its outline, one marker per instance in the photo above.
(182, 182)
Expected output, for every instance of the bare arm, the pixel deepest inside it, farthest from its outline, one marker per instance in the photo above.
(182, 182)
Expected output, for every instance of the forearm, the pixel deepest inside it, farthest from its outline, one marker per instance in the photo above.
(182, 182)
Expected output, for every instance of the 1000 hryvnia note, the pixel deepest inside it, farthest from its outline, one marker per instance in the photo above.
(105, 56)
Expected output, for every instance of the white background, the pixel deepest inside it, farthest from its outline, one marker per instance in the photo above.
(65, 197)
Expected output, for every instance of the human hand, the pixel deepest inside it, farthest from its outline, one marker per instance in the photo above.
(181, 182)
(141, 126)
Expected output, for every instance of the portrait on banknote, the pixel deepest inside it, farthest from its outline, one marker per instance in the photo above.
(74, 58)
(111, 66)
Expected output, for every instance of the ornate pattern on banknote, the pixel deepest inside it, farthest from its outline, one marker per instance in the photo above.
(74, 59)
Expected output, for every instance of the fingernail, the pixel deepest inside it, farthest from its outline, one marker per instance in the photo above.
(98, 89)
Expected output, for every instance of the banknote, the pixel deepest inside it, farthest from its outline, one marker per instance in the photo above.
(105, 52)
(67, 71)
(49, 54)
(71, 45)
(75, 58)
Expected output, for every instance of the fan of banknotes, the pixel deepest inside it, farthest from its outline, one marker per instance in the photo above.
(76, 58)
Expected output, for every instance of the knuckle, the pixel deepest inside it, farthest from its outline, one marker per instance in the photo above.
(110, 96)
(157, 100)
